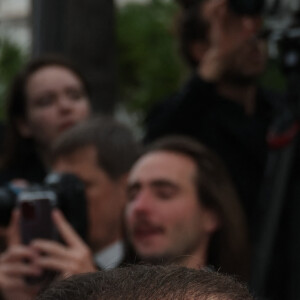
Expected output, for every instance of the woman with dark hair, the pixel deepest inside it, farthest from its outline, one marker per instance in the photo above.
(48, 96)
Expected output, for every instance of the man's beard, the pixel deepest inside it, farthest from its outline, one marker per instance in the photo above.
(156, 260)
(166, 259)
(240, 79)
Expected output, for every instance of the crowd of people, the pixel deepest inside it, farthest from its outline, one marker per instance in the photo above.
(179, 215)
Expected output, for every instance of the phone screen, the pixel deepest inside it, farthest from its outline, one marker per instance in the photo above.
(36, 222)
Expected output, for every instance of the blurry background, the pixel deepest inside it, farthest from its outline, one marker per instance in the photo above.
(126, 48)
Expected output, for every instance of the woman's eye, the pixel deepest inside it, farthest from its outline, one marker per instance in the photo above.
(75, 94)
(44, 101)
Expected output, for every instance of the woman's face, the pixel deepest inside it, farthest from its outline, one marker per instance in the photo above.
(56, 100)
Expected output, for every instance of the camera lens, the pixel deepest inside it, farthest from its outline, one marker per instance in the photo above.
(247, 7)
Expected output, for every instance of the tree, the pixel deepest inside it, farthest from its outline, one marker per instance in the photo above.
(83, 31)
(12, 59)
(150, 67)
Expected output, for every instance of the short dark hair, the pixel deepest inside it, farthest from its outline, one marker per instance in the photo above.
(229, 247)
(16, 148)
(116, 146)
(142, 282)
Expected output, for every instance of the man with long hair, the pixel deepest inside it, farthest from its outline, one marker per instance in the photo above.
(183, 209)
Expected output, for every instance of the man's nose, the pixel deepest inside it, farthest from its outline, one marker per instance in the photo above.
(143, 203)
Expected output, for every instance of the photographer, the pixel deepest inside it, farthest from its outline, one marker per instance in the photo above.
(48, 96)
(222, 104)
(100, 152)
(19, 261)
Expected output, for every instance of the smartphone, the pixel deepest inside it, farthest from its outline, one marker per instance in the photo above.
(36, 222)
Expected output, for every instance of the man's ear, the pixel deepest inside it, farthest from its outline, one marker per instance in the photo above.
(24, 128)
(211, 220)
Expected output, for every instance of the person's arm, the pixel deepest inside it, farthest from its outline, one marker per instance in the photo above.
(15, 266)
(227, 33)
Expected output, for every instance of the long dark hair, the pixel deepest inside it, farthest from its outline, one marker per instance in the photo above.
(17, 150)
(229, 247)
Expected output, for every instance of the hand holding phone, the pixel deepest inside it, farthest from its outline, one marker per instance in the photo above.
(40, 226)
(13, 270)
(72, 257)
(35, 220)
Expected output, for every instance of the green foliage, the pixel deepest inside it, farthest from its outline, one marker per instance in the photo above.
(11, 60)
(149, 65)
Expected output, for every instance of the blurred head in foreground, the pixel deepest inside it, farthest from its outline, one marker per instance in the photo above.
(148, 282)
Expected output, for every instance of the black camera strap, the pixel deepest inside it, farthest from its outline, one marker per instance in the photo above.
(283, 141)
(274, 188)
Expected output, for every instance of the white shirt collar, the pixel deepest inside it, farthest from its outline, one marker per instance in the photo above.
(111, 256)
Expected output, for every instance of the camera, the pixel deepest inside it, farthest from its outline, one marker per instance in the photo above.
(247, 7)
(254, 7)
(282, 22)
(69, 198)
(265, 7)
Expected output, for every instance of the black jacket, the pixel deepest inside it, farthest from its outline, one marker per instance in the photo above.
(240, 140)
